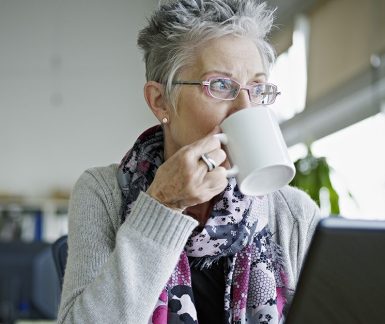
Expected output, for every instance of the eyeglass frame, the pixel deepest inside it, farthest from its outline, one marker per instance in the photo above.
(206, 84)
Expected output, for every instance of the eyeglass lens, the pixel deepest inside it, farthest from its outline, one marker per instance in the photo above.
(261, 93)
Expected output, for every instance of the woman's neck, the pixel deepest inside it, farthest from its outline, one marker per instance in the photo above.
(170, 148)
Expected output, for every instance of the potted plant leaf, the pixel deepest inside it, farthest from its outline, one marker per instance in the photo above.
(313, 176)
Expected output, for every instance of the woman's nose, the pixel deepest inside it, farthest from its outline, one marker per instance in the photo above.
(242, 100)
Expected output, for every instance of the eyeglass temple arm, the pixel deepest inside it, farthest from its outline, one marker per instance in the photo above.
(192, 82)
(269, 92)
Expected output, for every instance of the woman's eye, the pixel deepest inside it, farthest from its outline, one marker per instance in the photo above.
(258, 90)
(221, 85)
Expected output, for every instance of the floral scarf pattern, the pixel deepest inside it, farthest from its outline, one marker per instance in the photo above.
(237, 229)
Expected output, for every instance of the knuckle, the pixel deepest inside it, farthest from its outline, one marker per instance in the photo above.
(214, 142)
(221, 172)
(225, 182)
(202, 197)
(185, 160)
(217, 140)
(222, 154)
(183, 153)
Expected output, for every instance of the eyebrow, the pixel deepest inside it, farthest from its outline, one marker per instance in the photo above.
(230, 75)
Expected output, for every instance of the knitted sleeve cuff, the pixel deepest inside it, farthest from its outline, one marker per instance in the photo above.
(157, 222)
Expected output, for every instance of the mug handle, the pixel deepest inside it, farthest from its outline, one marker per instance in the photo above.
(224, 140)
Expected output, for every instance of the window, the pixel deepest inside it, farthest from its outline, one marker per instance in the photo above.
(357, 156)
(290, 74)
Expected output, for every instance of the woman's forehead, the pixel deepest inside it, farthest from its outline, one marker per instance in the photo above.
(229, 56)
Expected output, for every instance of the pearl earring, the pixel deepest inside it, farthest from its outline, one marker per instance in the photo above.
(165, 120)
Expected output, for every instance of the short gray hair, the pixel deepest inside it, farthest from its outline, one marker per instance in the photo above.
(179, 27)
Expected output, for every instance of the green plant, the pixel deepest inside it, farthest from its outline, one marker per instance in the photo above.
(313, 176)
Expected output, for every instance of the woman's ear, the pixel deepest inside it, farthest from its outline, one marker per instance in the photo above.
(154, 95)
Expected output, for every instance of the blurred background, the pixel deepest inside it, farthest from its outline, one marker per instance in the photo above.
(71, 80)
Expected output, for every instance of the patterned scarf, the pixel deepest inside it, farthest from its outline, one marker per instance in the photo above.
(236, 229)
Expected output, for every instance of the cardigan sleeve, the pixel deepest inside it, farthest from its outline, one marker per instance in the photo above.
(116, 274)
(293, 218)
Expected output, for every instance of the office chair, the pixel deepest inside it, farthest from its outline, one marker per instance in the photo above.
(29, 285)
(59, 252)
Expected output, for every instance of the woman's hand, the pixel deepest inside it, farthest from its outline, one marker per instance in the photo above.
(183, 180)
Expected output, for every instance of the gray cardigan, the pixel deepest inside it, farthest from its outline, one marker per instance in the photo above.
(115, 272)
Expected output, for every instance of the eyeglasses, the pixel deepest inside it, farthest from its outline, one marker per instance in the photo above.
(229, 89)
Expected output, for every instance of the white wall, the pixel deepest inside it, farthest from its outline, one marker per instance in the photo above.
(71, 80)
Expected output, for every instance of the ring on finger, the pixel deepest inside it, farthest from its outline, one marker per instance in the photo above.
(211, 165)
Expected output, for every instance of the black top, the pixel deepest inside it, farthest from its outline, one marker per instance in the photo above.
(208, 286)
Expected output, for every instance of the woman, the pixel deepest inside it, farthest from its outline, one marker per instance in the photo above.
(164, 237)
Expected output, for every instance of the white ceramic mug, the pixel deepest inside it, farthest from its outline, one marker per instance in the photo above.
(257, 151)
